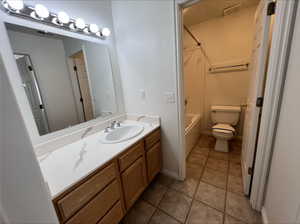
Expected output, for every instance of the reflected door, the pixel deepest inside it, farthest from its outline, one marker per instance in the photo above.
(83, 86)
(33, 92)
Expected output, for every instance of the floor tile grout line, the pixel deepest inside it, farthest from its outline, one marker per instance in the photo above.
(209, 205)
(149, 202)
(196, 190)
(157, 206)
(213, 185)
(152, 215)
(225, 201)
(169, 215)
(180, 192)
(223, 213)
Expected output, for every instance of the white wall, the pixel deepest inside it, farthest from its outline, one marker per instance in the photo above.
(24, 196)
(145, 33)
(99, 69)
(49, 61)
(225, 39)
(282, 202)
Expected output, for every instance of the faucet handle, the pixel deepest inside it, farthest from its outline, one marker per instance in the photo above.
(112, 124)
(118, 124)
(106, 130)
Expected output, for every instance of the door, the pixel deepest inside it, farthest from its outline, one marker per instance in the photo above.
(134, 181)
(85, 100)
(258, 70)
(33, 93)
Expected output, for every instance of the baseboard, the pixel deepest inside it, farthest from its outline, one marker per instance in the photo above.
(264, 216)
(171, 174)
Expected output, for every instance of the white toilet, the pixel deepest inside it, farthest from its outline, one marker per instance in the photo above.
(224, 119)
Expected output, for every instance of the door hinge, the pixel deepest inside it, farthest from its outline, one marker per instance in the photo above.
(42, 106)
(250, 170)
(271, 8)
(81, 99)
(75, 68)
(30, 68)
(259, 101)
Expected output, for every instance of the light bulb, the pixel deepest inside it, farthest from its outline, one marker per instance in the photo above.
(94, 28)
(105, 32)
(15, 4)
(79, 23)
(63, 18)
(41, 11)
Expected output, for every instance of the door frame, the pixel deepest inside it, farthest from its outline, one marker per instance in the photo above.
(282, 33)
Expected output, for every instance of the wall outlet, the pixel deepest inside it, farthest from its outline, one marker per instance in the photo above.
(169, 97)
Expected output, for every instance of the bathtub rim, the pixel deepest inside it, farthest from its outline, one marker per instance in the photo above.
(194, 121)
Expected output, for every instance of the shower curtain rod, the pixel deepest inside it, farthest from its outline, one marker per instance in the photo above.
(198, 43)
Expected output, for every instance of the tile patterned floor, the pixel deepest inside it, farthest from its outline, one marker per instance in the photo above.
(211, 194)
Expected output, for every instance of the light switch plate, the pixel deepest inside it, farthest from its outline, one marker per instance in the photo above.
(142, 94)
(169, 97)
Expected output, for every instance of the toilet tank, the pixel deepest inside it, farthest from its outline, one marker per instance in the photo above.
(225, 114)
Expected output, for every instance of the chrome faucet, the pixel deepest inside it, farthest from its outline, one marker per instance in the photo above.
(112, 126)
(115, 124)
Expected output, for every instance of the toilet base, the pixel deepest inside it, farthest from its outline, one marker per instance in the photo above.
(222, 145)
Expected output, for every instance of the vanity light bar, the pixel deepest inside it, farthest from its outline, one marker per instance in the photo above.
(61, 20)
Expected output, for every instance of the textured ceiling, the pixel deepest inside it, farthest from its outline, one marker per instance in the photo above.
(208, 9)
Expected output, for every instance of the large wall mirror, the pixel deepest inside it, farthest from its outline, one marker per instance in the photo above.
(67, 81)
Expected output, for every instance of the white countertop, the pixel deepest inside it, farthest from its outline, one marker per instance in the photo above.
(69, 164)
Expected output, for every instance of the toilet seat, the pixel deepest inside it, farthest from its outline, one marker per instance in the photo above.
(223, 128)
(223, 133)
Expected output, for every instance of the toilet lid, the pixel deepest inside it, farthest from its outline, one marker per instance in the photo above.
(223, 128)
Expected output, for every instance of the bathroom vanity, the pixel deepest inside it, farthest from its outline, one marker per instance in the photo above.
(95, 160)
(104, 183)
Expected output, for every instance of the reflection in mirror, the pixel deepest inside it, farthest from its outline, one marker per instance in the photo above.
(67, 81)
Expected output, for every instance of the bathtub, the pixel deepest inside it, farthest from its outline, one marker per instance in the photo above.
(192, 131)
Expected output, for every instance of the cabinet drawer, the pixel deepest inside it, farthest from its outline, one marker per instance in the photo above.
(98, 207)
(151, 139)
(73, 201)
(131, 155)
(114, 216)
(153, 157)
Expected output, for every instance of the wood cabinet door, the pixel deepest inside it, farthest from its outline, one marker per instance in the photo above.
(134, 181)
(153, 161)
(97, 207)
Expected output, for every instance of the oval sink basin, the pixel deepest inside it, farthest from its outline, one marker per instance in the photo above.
(121, 134)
